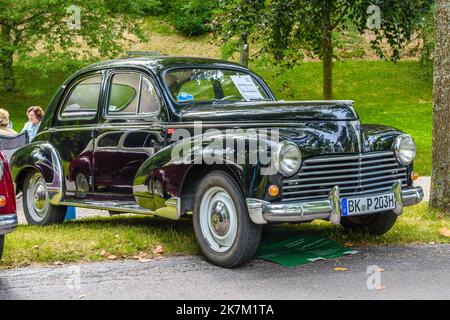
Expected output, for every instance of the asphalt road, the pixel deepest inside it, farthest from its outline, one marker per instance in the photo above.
(411, 272)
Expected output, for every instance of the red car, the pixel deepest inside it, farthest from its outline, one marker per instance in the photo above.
(8, 217)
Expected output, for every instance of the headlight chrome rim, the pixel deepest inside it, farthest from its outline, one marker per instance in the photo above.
(401, 158)
(279, 158)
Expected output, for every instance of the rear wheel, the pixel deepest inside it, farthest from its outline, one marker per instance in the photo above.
(225, 234)
(375, 224)
(2, 243)
(36, 205)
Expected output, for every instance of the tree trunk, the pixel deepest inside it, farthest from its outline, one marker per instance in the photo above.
(327, 57)
(440, 179)
(244, 49)
(6, 59)
(9, 82)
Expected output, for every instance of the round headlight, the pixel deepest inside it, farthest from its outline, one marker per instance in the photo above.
(405, 149)
(289, 158)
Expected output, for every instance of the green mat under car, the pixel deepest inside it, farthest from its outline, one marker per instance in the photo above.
(290, 248)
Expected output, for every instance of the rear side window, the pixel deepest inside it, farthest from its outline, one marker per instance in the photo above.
(110, 140)
(132, 94)
(83, 99)
(124, 94)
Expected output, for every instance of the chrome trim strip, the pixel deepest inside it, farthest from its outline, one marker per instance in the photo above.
(393, 160)
(172, 210)
(397, 190)
(262, 212)
(55, 187)
(340, 158)
(335, 202)
(346, 176)
(8, 223)
(340, 183)
(362, 169)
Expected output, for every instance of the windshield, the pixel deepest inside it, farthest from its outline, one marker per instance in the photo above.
(205, 85)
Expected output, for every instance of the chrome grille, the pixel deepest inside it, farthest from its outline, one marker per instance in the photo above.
(355, 174)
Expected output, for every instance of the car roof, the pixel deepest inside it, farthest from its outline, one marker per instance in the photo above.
(158, 64)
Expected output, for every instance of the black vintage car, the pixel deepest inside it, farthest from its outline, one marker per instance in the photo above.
(169, 136)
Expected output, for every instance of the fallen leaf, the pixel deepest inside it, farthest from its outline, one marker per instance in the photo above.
(112, 257)
(140, 255)
(348, 244)
(103, 253)
(58, 263)
(158, 250)
(432, 242)
(35, 247)
(340, 269)
(445, 232)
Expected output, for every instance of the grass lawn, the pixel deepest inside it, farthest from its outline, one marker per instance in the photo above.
(100, 239)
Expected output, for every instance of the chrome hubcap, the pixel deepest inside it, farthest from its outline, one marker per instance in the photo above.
(82, 183)
(218, 219)
(37, 198)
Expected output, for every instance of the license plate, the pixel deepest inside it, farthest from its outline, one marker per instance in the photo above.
(371, 204)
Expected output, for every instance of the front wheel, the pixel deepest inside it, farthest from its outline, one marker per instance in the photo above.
(2, 244)
(36, 204)
(225, 234)
(374, 224)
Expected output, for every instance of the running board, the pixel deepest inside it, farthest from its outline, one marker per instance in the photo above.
(172, 210)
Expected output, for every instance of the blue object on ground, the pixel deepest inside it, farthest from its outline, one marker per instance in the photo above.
(71, 213)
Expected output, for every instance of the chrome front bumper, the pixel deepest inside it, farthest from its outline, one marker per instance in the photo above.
(262, 212)
(8, 223)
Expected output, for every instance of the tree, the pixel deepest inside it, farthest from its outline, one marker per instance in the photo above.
(239, 18)
(440, 178)
(49, 26)
(288, 28)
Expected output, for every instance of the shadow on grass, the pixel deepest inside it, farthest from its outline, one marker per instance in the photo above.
(184, 223)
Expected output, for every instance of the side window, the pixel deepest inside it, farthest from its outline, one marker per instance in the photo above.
(124, 93)
(136, 139)
(110, 140)
(82, 101)
(132, 94)
(149, 98)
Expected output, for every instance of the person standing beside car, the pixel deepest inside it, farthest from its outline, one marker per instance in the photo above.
(5, 130)
(35, 115)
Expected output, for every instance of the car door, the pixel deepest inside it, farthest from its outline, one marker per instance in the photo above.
(130, 132)
(73, 131)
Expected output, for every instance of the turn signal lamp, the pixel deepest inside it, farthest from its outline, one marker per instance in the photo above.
(2, 201)
(274, 190)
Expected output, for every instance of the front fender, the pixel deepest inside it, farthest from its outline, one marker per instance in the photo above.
(378, 137)
(43, 157)
(163, 175)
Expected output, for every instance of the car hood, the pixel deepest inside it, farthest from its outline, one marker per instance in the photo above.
(270, 111)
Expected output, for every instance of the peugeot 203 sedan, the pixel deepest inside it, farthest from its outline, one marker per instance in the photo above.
(170, 136)
(8, 217)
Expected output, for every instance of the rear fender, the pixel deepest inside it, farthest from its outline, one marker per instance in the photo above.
(43, 157)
